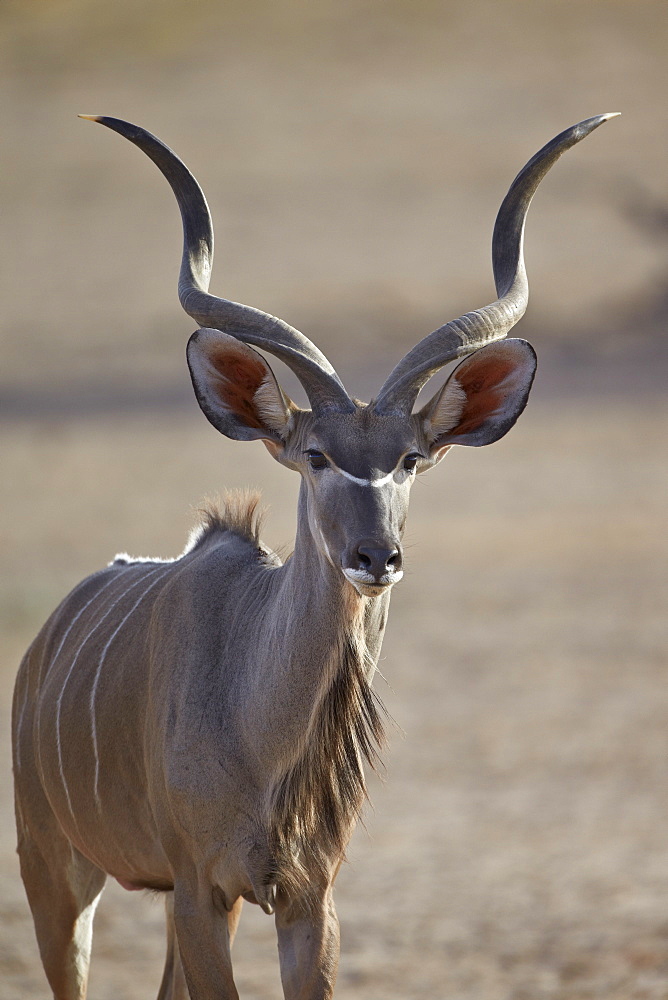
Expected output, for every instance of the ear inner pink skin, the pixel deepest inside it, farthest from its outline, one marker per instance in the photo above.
(239, 379)
(484, 391)
(483, 397)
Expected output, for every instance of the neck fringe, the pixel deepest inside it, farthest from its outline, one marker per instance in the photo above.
(316, 803)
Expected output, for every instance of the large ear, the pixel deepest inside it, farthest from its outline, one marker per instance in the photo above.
(482, 399)
(236, 388)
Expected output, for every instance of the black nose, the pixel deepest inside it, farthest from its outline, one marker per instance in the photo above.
(378, 561)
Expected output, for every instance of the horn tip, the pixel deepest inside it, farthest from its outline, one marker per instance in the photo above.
(584, 128)
(91, 118)
(600, 119)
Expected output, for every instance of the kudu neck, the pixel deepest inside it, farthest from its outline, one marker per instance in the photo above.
(318, 637)
(320, 591)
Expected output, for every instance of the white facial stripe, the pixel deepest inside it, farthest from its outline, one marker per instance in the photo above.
(363, 482)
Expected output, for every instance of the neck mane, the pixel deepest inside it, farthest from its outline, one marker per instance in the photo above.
(321, 641)
(317, 799)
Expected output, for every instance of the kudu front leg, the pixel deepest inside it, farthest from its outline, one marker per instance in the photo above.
(202, 946)
(173, 985)
(308, 948)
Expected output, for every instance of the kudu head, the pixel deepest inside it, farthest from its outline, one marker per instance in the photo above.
(358, 461)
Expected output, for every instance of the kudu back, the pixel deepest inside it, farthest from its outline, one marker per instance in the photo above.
(200, 726)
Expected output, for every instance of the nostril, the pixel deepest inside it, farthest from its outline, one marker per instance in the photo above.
(378, 561)
(364, 559)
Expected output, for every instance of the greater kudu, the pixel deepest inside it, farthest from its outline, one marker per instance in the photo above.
(199, 726)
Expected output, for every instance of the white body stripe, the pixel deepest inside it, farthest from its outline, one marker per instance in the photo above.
(98, 672)
(114, 579)
(69, 674)
(24, 705)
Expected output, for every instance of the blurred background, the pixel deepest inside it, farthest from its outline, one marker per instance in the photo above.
(354, 155)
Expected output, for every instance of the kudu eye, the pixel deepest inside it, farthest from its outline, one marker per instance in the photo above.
(316, 459)
(411, 461)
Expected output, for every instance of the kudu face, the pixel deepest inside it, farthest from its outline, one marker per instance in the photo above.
(358, 464)
(357, 470)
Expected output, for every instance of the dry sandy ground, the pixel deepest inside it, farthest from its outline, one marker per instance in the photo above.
(517, 848)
